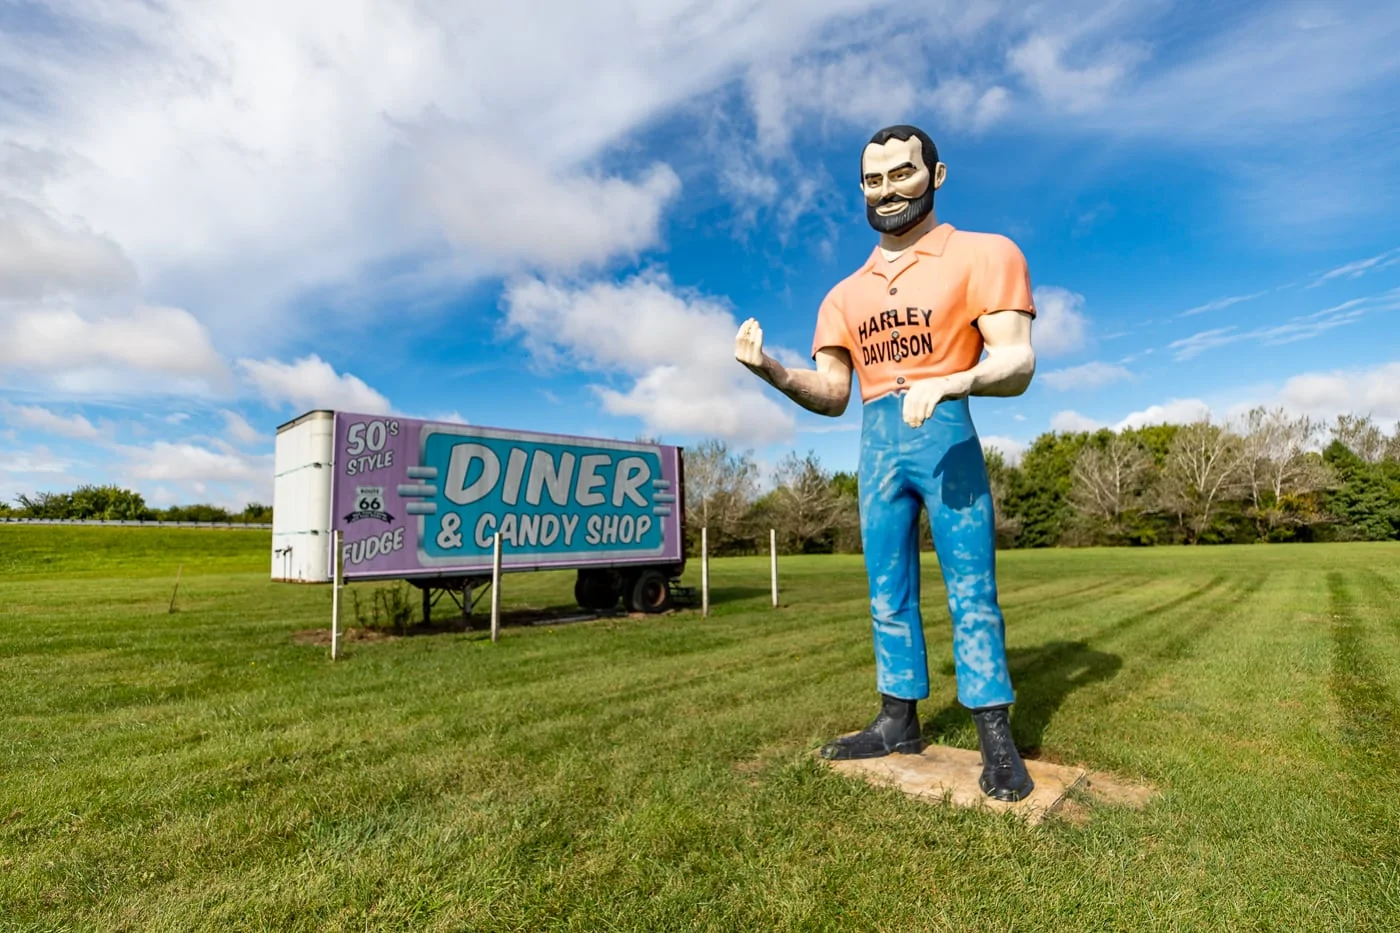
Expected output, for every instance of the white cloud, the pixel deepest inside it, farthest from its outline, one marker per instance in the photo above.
(675, 347)
(238, 428)
(25, 472)
(37, 253)
(1072, 422)
(1233, 96)
(184, 472)
(1060, 325)
(1374, 391)
(1176, 411)
(590, 219)
(242, 153)
(310, 383)
(1220, 304)
(1323, 394)
(1359, 267)
(34, 461)
(1010, 448)
(857, 88)
(185, 462)
(143, 347)
(161, 139)
(1041, 61)
(964, 105)
(38, 418)
(1299, 327)
(1127, 69)
(1087, 376)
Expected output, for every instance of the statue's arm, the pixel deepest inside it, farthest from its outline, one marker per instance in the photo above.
(825, 390)
(1005, 371)
(1009, 365)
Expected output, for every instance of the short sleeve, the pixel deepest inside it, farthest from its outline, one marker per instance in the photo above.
(1001, 281)
(831, 325)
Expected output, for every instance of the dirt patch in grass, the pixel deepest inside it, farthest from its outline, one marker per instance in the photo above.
(1102, 790)
(322, 636)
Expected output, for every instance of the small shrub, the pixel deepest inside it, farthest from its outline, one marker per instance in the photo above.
(390, 609)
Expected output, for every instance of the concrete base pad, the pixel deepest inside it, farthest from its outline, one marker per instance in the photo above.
(940, 772)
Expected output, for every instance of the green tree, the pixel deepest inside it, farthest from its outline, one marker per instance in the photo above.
(845, 484)
(1156, 439)
(108, 503)
(255, 513)
(1039, 493)
(1002, 478)
(846, 532)
(202, 512)
(1366, 502)
(49, 505)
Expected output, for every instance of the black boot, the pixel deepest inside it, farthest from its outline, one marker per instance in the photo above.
(896, 729)
(1004, 775)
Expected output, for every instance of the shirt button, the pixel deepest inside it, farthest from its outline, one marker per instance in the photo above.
(900, 380)
(894, 333)
(893, 290)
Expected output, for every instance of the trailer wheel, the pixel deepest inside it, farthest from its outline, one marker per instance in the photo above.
(649, 592)
(595, 591)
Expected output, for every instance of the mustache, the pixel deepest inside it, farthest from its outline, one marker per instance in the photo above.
(893, 199)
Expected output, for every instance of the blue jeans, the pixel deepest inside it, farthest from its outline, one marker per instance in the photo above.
(938, 465)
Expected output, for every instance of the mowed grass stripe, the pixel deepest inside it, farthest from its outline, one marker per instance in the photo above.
(552, 781)
(1363, 685)
(1370, 718)
(1217, 729)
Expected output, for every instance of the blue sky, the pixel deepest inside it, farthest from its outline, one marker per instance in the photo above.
(538, 216)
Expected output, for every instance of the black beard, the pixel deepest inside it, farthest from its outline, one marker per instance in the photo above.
(896, 224)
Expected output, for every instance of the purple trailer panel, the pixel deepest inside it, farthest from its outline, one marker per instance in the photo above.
(425, 499)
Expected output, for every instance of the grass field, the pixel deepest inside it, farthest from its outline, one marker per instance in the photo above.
(203, 770)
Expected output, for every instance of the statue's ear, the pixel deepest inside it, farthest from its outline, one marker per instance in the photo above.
(940, 171)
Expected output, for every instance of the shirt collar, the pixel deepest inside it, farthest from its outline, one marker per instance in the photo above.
(930, 244)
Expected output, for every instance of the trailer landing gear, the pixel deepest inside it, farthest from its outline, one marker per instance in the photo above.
(464, 593)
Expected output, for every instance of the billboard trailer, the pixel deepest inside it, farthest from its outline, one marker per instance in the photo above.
(424, 501)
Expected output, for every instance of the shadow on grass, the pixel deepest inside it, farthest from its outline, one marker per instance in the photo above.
(452, 622)
(1044, 677)
(719, 595)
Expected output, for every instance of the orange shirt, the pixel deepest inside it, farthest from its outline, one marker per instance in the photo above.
(916, 317)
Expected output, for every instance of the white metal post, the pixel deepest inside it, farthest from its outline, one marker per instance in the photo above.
(339, 580)
(704, 571)
(496, 590)
(773, 550)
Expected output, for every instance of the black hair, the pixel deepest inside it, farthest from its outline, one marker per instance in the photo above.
(903, 132)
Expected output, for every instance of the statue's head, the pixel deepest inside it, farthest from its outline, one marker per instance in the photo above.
(899, 171)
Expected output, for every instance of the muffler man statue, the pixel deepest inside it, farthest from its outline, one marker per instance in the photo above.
(912, 323)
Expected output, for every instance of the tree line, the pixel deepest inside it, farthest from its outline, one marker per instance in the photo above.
(1272, 477)
(115, 504)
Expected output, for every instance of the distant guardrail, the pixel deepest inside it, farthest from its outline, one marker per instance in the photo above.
(135, 524)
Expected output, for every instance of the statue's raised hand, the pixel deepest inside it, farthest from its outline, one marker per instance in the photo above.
(748, 344)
